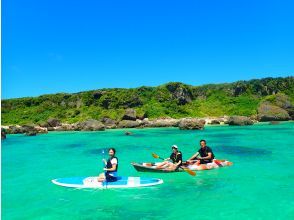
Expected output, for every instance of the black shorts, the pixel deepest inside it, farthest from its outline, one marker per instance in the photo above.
(110, 178)
(205, 161)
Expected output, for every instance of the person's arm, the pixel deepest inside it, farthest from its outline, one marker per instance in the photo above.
(113, 168)
(167, 159)
(194, 156)
(207, 157)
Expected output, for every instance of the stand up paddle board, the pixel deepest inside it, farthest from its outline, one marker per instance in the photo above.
(92, 182)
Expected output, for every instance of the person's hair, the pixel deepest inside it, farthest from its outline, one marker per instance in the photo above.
(203, 140)
(112, 150)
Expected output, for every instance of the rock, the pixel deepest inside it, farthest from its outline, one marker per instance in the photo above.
(90, 125)
(44, 124)
(167, 122)
(29, 129)
(214, 122)
(128, 133)
(53, 122)
(239, 120)
(180, 93)
(3, 134)
(269, 112)
(130, 114)
(31, 133)
(129, 124)
(41, 130)
(274, 123)
(108, 122)
(15, 130)
(50, 129)
(191, 124)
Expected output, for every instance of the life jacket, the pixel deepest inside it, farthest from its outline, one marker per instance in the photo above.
(175, 157)
(109, 164)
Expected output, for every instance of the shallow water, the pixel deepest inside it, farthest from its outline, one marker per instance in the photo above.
(258, 186)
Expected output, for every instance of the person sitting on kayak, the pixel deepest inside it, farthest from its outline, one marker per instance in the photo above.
(111, 165)
(175, 157)
(205, 152)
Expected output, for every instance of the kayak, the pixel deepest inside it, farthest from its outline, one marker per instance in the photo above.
(92, 182)
(151, 167)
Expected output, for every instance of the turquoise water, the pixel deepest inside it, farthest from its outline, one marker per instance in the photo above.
(258, 186)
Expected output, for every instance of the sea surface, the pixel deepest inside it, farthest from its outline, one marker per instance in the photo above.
(259, 185)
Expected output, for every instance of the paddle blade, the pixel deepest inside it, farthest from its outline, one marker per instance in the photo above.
(191, 172)
(155, 155)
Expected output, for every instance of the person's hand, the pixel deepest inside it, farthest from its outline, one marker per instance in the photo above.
(105, 169)
(166, 159)
(104, 160)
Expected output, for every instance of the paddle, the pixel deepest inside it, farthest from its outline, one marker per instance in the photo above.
(184, 168)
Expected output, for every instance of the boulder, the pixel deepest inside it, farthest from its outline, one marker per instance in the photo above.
(129, 124)
(108, 122)
(29, 129)
(269, 112)
(167, 122)
(214, 122)
(3, 134)
(128, 133)
(239, 120)
(15, 130)
(90, 125)
(53, 122)
(191, 124)
(130, 114)
(31, 133)
(41, 130)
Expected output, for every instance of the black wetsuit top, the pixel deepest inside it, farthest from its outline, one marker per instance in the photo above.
(176, 157)
(204, 153)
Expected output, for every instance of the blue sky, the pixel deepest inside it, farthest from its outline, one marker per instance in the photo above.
(54, 46)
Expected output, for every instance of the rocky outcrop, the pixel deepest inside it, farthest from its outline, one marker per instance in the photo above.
(215, 122)
(15, 129)
(269, 112)
(3, 134)
(130, 114)
(167, 122)
(108, 122)
(191, 124)
(129, 124)
(180, 93)
(239, 120)
(31, 133)
(90, 125)
(53, 122)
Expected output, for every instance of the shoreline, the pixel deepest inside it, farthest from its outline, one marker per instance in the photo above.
(182, 124)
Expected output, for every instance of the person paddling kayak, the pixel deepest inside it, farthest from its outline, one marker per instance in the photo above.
(204, 154)
(175, 157)
(111, 165)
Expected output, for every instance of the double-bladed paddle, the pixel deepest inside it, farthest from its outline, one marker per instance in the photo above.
(192, 173)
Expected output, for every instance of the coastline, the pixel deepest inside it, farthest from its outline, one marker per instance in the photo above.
(129, 125)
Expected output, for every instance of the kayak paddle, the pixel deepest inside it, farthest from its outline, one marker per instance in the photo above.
(192, 173)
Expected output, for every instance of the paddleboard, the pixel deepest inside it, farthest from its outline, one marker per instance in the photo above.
(91, 182)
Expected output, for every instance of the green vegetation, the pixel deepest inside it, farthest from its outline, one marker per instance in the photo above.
(169, 100)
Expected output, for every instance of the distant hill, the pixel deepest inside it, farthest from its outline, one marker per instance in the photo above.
(173, 99)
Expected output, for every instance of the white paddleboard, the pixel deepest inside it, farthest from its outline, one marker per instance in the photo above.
(92, 182)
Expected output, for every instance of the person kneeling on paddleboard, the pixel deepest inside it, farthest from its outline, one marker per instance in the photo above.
(175, 157)
(110, 169)
(204, 154)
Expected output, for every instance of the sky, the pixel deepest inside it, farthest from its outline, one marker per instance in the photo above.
(52, 46)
